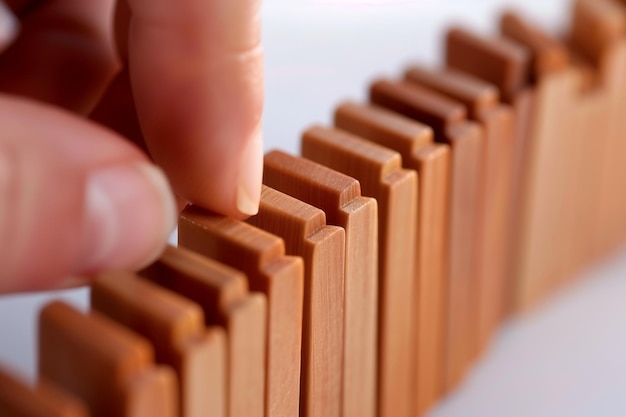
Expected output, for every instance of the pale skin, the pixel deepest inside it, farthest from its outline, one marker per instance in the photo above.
(92, 176)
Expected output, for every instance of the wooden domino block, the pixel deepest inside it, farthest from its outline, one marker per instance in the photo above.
(261, 256)
(490, 284)
(222, 293)
(105, 365)
(379, 171)
(414, 141)
(339, 196)
(322, 247)
(175, 328)
(597, 33)
(44, 400)
(548, 54)
(465, 139)
(506, 65)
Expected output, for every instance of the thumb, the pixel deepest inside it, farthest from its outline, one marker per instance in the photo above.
(75, 199)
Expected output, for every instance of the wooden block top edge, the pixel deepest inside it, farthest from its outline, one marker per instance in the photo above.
(21, 400)
(287, 217)
(549, 54)
(122, 349)
(309, 181)
(357, 157)
(418, 102)
(246, 247)
(383, 126)
(474, 93)
(162, 315)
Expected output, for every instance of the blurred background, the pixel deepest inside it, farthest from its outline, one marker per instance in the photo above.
(565, 358)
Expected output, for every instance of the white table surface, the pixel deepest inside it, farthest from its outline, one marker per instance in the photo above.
(567, 357)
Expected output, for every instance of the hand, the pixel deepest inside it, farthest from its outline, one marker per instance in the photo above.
(76, 196)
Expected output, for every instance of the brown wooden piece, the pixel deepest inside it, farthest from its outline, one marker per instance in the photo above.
(466, 141)
(262, 257)
(44, 400)
(506, 65)
(413, 141)
(491, 286)
(304, 230)
(498, 61)
(548, 54)
(340, 198)
(103, 364)
(379, 170)
(597, 25)
(222, 293)
(175, 328)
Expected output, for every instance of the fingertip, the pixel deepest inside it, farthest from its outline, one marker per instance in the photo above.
(130, 211)
(250, 177)
(9, 26)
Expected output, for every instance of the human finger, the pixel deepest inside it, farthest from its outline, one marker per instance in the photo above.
(197, 78)
(69, 206)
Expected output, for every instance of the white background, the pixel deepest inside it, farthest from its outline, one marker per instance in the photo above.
(568, 357)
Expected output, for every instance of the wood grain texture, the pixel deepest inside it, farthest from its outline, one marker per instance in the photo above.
(498, 61)
(414, 99)
(379, 171)
(222, 293)
(507, 65)
(413, 141)
(44, 400)
(175, 327)
(339, 196)
(597, 25)
(322, 247)
(547, 53)
(105, 365)
(261, 256)
(491, 284)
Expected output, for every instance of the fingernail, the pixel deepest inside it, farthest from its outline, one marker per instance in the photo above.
(9, 26)
(130, 212)
(250, 177)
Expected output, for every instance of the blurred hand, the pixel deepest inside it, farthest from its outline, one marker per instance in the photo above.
(97, 102)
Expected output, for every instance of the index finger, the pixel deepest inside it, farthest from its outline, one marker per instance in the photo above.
(197, 76)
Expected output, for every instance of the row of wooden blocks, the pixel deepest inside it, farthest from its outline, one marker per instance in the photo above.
(380, 266)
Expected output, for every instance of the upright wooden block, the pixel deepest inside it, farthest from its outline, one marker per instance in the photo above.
(492, 286)
(379, 170)
(547, 54)
(175, 328)
(504, 64)
(222, 293)
(598, 34)
(432, 163)
(322, 247)
(262, 257)
(559, 162)
(103, 364)
(554, 133)
(340, 198)
(44, 400)
(449, 121)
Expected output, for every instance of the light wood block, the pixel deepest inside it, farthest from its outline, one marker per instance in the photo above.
(322, 247)
(222, 293)
(432, 163)
(261, 256)
(506, 65)
(449, 121)
(339, 196)
(490, 286)
(379, 171)
(44, 400)
(105, 365)
(175, 328)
